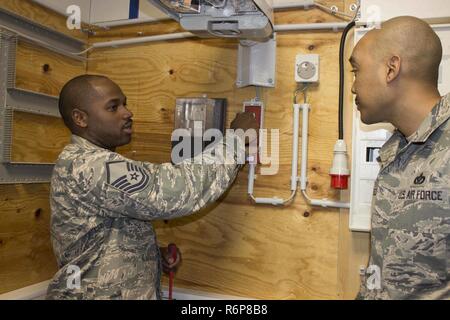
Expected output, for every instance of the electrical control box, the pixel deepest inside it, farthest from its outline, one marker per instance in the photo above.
(196, 116)
(307, 68)
(367, 141)
(257, 63)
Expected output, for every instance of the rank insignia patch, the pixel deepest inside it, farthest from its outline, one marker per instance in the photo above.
(126, 176)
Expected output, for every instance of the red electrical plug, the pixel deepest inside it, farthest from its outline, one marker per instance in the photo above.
(172, 248)
(339, 171)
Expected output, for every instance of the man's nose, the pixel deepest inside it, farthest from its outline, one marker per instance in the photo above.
(353, 88)
(127, 114)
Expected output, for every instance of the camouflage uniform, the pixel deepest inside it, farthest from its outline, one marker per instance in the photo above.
(102, 207)
(411, 213)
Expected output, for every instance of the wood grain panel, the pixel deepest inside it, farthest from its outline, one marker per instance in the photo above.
(244, 250)
(31, 74)
(26, 256)
(37, 138)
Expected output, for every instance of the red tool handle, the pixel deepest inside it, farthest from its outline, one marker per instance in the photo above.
(172, 248)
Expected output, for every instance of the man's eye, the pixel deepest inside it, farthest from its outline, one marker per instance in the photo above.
(113, 108)
(353, 70)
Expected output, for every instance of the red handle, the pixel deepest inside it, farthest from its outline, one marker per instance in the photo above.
(172, 248)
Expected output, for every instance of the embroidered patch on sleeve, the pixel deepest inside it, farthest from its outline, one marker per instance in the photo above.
(126, 176)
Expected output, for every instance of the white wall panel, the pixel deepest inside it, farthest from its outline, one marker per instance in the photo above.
(380, 10)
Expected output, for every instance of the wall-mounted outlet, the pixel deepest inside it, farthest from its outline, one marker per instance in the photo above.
(307, 68)
(257, 108)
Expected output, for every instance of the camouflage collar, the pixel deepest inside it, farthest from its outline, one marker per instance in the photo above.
(83, 143)
(438, 115)
(389, 149)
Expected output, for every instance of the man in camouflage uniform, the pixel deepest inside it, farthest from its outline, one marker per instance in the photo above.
(103, 203)
(396, 73)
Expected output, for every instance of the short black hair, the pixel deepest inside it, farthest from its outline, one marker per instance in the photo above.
(76, 93)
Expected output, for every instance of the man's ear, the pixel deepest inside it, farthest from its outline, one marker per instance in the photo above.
(79, 117)
(393, 68)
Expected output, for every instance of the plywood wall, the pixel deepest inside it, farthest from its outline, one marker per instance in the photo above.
(26, 256)
(235, 247)
(232, 247)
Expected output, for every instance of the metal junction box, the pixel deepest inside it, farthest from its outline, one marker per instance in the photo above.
(197, 115)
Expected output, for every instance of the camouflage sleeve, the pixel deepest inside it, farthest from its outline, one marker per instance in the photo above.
(148, 191)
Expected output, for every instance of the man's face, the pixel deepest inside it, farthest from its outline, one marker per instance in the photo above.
(369, 85)
(109, 122)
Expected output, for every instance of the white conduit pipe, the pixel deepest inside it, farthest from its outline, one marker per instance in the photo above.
(251, 177)
(303, 168)
(335, 26)
(303, 171)
(293, 5)
(162, 37)
(294, 165)
(120, 23)
(184, 35)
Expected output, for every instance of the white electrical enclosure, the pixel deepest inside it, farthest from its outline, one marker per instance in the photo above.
(433, 11)
(368, 139)
(257, 63)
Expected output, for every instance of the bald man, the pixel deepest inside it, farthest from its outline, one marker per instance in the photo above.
(103, 203)
(396, 72)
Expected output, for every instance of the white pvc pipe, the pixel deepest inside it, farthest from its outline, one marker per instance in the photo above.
(310, 26)
(120, 23)
(274, 201)
(331, 204)
(162, 37)
(293, 5)
(304, 165)
(303, 168)
(294, 164)
(251, 177)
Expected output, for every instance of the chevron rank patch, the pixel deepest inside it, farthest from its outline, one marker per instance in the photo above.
(126, 176)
